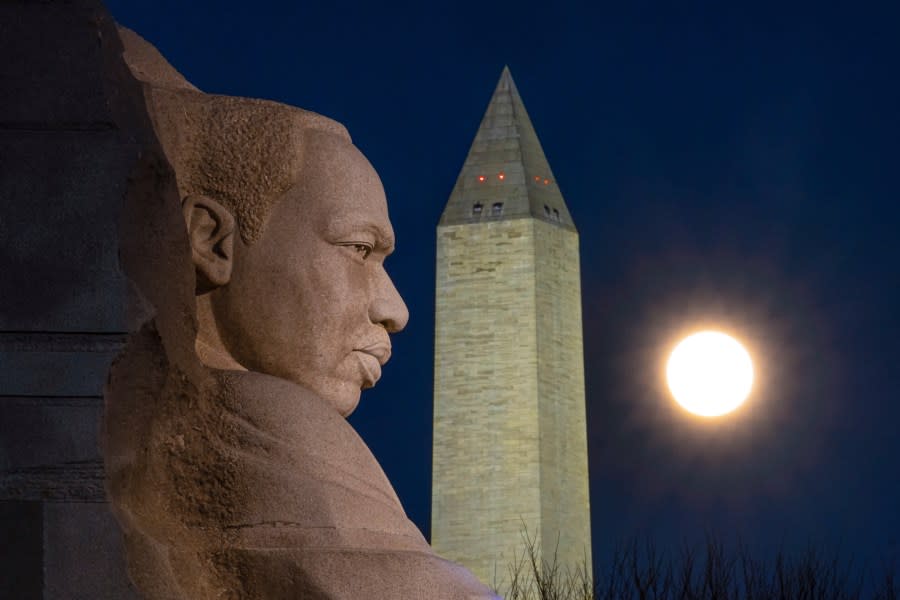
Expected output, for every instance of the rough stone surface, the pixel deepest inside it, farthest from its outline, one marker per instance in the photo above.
(67, 146)
(54, 374)
(72, 422)
(88, 530)
(253, 238)
(67, 470)
(62, 193)
(228, 482)
(510, 447)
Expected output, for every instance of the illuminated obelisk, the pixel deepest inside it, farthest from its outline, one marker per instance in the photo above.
(510, 447)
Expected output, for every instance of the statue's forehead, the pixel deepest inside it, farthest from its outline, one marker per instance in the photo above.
(334, 168)
(333, 153)
(338, 191)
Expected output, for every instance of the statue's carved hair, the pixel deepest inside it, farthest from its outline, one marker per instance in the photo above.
(243, 152)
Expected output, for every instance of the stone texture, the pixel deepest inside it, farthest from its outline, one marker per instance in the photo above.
(54, 374)
(486, 459)
(253, 237)
(51, 183)
(565, 506)
(57, 364)
(510, 448)
(89, 531)
(67, 146)
(228, 482)
(69, 469)
(70, 481)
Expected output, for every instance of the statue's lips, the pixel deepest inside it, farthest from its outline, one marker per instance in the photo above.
(371, 358)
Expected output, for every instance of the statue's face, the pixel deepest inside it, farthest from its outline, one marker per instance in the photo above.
(310, 300)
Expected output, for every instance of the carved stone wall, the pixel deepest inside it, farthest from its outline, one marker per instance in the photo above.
(64, 161)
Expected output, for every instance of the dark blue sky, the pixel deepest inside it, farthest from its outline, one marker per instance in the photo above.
(723, 167)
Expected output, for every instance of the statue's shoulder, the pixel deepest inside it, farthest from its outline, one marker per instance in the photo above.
(307, 432)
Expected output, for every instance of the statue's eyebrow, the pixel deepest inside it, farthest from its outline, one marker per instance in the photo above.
(384, 240)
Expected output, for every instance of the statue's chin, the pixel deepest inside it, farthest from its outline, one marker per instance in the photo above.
(346, 403)
(343, 397)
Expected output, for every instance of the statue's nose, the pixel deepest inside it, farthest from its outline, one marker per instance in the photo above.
(387, 307)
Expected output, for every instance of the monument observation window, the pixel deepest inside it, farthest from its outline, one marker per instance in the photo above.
(555, 214)
(497, 209)
(476, 209)
(546, 210)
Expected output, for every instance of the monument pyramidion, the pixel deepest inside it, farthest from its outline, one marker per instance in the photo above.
(510, 448)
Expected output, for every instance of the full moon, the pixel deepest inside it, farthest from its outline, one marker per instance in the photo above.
(709, 373)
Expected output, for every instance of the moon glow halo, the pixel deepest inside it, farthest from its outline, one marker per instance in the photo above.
(709, 373)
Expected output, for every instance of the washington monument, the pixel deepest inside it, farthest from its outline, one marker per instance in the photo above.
(510, 449)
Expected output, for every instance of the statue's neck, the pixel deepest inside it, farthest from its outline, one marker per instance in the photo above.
(209, 346)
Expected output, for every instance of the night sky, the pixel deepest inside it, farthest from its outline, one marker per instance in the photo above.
(726, 168)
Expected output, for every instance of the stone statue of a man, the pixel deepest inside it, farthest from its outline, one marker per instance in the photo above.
(232, 469)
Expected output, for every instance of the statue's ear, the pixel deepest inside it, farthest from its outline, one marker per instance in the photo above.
(211, 230)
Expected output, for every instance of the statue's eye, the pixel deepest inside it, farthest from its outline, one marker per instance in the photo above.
(364, 249)
(361, 249)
